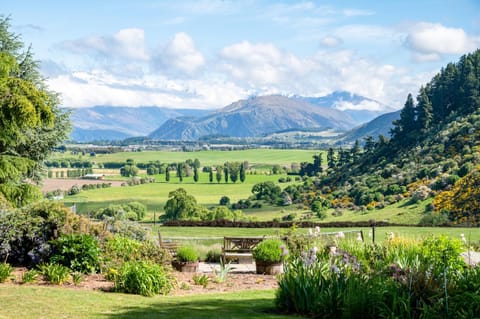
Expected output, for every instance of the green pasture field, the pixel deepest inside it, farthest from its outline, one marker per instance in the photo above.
(154, 195)
(255, 157)
(26, 301)
(381, 233)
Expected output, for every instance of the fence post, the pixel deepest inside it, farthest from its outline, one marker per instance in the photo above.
(373, 233)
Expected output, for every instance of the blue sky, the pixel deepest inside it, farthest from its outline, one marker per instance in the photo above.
(209, 53)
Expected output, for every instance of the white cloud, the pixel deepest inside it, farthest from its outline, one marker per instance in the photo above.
(330, 42)
(363, 105)
(431, 40)
(126, 44)
(362, 32)
(357, 12)
(260, 64)
(181, 55)
(82, 89)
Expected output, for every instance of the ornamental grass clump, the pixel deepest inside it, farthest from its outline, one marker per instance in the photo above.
(5, 271)
(54, 273)
(270, 250)
(143, 278)
(187, 254)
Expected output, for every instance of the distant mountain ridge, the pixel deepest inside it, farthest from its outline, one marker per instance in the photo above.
(119, 122)
(252, 117)
(380, 125)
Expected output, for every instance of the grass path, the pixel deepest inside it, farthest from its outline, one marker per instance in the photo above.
(55, 302)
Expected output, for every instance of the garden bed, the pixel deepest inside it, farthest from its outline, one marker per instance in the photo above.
(185, 283)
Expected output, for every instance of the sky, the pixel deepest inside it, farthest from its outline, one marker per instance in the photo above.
(210, 53)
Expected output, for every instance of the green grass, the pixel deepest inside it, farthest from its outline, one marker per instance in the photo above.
(49, 302)
(400, 213)
(381, 233)
(155, 195)
(256, 157)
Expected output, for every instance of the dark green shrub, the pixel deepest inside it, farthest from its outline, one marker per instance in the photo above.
(213, 256)
(269, 250)
(5, 271)
(77, 252)
(224, 201)
(187, 254)
(26, 233)
(54, 273)
(143, 278)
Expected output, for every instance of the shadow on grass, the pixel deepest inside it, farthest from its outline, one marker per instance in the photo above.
(204, 306)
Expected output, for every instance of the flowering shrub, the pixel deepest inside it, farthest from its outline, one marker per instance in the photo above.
(400, 279)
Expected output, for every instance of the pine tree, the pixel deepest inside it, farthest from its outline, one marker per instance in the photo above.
(424, 111)
(331, 160)
(195, 174)
(403, 130)
(225, 172)
(355, 151)
(218, 174)
(167, 174)
(242, 172)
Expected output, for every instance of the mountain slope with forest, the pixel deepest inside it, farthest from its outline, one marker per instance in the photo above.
(433, 154)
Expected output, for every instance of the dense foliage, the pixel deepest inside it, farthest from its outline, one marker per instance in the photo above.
(27, 233)
(433, 148)
(399, 279)
(183, 206)
(77, 252)
(32, 123)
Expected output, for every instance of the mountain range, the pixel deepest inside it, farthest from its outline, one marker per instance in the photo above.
(253, 117)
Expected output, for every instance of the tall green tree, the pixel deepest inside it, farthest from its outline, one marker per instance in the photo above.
(218, 174)
(31, 122)
(424, 111)
(331, 160)
(167, 174)
(242, 172)
(180, 205)
(225, 173)
(210, 175)
(404, 128)
(195, 174)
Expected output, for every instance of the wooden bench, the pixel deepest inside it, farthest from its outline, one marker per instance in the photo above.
(171, 246)
(239, 248)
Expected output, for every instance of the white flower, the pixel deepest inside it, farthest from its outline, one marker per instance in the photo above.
(317, 230)
(310, 232)
(340, 235)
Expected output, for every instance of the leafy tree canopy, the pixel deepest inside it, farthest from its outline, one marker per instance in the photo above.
(31, 122)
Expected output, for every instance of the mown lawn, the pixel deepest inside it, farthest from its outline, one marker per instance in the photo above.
(55, 302)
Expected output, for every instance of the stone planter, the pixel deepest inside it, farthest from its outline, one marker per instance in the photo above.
(185, 266)
(269, 268)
